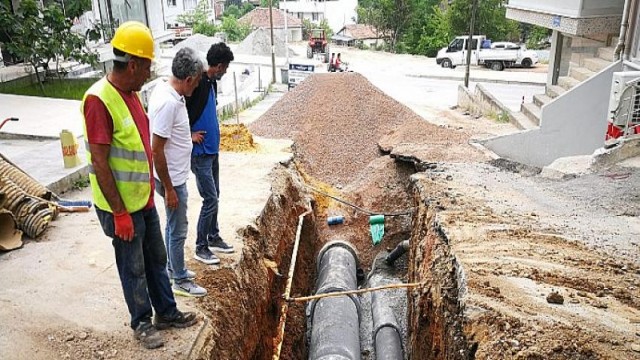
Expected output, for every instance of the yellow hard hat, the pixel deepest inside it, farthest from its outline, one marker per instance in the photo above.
(134, 38)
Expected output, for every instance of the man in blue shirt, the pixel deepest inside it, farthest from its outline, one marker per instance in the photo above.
(205, 128)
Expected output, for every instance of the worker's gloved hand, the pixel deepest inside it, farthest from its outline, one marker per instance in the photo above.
(123, 226)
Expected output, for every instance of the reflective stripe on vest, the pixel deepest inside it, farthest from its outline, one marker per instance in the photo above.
(127, 157)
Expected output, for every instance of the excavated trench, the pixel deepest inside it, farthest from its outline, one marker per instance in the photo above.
(353, 158)
(245, 307)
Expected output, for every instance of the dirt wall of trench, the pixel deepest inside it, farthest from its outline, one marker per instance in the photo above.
(243, 303)
(435, 313)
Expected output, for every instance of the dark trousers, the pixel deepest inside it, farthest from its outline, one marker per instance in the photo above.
(142, 266)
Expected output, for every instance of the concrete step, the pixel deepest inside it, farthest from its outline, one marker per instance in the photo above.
(567, 82)
(580, 73)
(596, 64)
(606, 53)
(614, 41)
(523, 122)
(532, 111)
(554, 91)
(541, 99)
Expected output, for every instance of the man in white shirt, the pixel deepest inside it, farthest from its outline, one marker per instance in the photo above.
(172, 144)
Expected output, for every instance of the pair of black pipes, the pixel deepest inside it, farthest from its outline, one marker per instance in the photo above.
(334, 322)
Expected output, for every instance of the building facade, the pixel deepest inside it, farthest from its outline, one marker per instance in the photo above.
(338, 13)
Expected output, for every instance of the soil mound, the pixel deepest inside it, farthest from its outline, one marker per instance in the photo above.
(336, 120)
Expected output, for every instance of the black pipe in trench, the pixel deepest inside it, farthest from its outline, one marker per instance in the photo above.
(334, 322)
(386, 332)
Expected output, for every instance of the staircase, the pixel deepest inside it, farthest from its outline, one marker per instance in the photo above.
(581, 69)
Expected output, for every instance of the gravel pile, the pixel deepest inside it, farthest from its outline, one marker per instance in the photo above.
(259, 43)
(198, 42)
(336, 120)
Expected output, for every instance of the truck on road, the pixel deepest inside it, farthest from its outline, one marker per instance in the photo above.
(495, 56)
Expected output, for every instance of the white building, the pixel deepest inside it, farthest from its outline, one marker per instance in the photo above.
(174, 8)
(337, 12)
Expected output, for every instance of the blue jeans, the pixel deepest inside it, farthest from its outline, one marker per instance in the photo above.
(206, 169)
(142, 266)
(176, 231)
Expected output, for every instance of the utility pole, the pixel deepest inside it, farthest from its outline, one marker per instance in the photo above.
(474, 9)
(273, 47)
(286, 31)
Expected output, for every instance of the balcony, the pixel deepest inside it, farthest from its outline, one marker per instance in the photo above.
(576, 17)
(571, 8)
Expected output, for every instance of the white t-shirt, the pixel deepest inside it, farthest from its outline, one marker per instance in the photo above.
(170, 120)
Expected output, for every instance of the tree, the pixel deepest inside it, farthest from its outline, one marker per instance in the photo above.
(198, 20)
(490, 20)
(389, 17)
(307, 26)
(234, 30)
(40, 36)
(265, 3)
(426, 38)
(71, 8)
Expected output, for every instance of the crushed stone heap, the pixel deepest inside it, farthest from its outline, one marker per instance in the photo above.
(259, 43)
(198, 42)
(336, 120)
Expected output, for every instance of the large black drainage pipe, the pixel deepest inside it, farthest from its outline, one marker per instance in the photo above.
(402, 248)
(334, 322)
(386, 332)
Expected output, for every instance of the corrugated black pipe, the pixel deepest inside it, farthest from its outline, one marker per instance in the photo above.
(334, 322)
(402, 248)
(386, 332)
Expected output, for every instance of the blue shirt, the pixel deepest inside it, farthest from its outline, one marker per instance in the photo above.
(208, 122)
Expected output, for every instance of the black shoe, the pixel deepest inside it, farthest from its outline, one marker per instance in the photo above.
(179, 319)
(219, 245)
(148, 335)
(205, 256)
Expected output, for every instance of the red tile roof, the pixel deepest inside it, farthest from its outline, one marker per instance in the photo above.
(259, 18)
(358, 31)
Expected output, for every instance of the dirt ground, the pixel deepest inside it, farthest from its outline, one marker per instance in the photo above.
(525, 243)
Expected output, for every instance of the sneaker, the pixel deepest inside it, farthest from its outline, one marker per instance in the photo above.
(206, 256)
(148, 335)
(220, 246)
(179, 320)
(188, 288)
(190, 275)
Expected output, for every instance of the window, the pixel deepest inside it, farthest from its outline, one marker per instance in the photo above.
(314, 16)
(171, 3)
(456, 45)
(190, 4)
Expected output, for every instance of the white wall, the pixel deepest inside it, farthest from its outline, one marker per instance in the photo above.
(573, 124)
(338, 13)
(571, 8)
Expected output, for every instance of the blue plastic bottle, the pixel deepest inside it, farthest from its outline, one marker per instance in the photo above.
(335, 220)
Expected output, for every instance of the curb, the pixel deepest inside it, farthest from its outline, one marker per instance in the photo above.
(476, 79)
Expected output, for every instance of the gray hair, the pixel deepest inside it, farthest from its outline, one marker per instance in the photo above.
(186, 63)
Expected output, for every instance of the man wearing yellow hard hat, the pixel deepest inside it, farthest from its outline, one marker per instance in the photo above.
(116, 129)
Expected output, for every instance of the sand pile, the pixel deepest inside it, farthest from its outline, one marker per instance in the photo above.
(198, 42)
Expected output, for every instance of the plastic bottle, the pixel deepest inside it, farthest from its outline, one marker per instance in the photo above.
(335, 220)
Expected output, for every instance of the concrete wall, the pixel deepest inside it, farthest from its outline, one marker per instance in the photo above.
(571, 8)
(574, 124)
(482, 102)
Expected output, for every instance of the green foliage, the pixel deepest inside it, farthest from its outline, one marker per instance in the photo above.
(307, 26)
(236, 11)
(41, 36)
(536, 36)
(428, 34)
(81, 183)
(234, 30)
(72, 89)
(274, 3)
(72, 8)
(391, 18)
(490, 20)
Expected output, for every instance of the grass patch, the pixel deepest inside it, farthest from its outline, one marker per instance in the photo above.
(72, 89)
